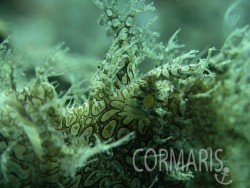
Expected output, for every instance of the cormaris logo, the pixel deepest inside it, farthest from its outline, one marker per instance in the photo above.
(177, 164)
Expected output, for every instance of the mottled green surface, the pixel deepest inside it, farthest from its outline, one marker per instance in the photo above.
(87, 136)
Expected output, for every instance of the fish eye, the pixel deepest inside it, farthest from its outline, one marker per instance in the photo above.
(149, 101)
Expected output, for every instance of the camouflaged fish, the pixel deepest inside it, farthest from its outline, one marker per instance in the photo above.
(44, 143)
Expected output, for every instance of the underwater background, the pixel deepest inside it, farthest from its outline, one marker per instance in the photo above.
(83, 85)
